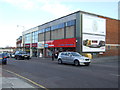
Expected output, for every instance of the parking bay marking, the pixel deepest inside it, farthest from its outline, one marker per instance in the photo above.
(27, 79)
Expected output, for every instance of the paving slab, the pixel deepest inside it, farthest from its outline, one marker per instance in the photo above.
(8, 80)
(13, 82)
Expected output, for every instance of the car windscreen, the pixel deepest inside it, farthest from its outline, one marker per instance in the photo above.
(4, 54)
(75, 54)
(23, 53)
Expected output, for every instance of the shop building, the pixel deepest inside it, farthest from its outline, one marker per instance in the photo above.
(80, 31)
(19, 45)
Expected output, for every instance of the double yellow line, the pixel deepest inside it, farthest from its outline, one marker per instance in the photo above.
(27, 79)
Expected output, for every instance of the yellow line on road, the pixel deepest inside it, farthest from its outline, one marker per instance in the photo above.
(27, 79)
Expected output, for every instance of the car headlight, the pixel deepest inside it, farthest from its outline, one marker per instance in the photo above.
(81, 59)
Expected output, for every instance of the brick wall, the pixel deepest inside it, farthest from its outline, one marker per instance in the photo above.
(112, 32)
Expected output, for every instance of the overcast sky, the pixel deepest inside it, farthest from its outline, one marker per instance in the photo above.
(30, 13)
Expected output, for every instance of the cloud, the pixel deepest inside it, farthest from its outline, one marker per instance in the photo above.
(56, 8)
(8, 35)
(53, 7)
(24, 4)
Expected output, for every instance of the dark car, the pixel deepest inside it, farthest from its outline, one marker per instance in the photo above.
(3, 58)
(12, 55)
(8, 55)
(21, 55)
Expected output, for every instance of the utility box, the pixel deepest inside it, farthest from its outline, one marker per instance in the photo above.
(89, 55)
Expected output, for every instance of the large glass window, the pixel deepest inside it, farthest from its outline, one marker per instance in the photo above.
(47, 33)
(47, 29)
(70, 29)
(59, 26)
(70, 32)
(57, 34)
(70, 23)
(41, 35)
(41, 31)
(56, 31)
(28, 38)
(35, 37)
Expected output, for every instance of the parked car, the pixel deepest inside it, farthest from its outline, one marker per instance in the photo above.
(12, 55)
(73, 58)
(3, 58)
(8, 55)
(21, 55)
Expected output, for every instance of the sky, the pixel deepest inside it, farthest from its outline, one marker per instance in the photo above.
(17, 16)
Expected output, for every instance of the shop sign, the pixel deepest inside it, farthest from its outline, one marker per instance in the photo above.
(41, 44)
(34, 44)
(27, 45)
(71, 42)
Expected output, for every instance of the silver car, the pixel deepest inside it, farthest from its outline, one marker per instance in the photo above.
(73, 58)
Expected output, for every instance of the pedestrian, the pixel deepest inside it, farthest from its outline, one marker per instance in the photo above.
(56, 55)
(53, 56)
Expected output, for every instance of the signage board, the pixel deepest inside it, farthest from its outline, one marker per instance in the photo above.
(28, 45)
(93, 43)
(71, 42)
(93, 24)
(41, 44)
(34, 44)
(93, 33)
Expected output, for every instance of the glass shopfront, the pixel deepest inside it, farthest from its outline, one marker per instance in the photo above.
(56, 46)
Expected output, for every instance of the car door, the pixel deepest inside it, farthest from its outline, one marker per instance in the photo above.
(69, 58)
(63, 57)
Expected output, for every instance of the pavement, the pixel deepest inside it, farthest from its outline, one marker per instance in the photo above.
(9, 80)
(105, 59)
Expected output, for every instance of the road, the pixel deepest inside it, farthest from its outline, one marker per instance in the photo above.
(49, 74)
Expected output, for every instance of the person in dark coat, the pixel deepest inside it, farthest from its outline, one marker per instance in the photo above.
(56, 55)
(53, 56)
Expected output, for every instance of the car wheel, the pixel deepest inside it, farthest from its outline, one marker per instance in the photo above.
(18, 58)
(23, 58)
(76, 63)
(59, 61)
(5, 62)
(15, 57)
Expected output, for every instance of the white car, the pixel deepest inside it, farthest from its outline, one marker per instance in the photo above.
(73, 58)
(12, 55)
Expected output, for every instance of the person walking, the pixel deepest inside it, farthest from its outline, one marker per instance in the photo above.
(53, 56)
(56, 55)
